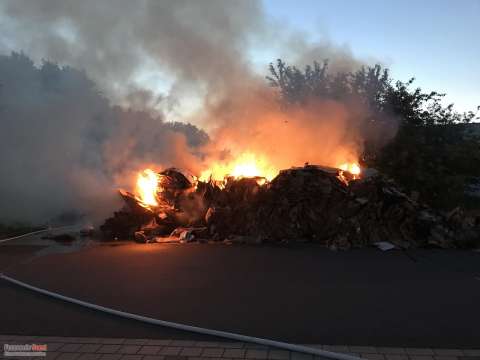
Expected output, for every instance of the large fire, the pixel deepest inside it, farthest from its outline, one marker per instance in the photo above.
(352, 168)
(245, 165)
(251, 165)
(147, 187)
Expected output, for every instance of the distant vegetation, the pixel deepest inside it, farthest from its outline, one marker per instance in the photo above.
(432, 151)
(424, 145)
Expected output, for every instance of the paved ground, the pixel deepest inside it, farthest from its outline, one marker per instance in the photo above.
(63, 348)
(28, 313)
(300, 295)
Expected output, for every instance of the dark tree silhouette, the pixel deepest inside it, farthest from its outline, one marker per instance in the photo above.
(432, 151)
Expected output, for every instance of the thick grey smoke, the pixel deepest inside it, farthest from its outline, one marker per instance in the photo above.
(63, 146)
(197, 43)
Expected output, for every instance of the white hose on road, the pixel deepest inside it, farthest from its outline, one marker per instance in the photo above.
(36, 232)
(224, 334)
(23, 235)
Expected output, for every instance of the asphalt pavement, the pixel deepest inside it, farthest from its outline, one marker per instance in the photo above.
(302, 294)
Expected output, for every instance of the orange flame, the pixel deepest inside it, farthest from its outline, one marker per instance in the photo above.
(246, 165)
(147, 186)
(352, 168)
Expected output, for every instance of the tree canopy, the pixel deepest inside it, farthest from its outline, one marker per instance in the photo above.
(432, 151)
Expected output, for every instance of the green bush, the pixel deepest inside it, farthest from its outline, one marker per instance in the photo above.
(432, 152)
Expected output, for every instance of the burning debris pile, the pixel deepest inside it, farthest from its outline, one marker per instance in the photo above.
(311, 203)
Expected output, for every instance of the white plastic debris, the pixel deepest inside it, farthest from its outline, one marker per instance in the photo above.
(385, 245)
(186, 235)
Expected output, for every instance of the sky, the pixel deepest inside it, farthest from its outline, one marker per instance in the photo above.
(435, 41)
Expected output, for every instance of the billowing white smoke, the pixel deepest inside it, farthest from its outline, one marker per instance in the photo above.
(63, 147)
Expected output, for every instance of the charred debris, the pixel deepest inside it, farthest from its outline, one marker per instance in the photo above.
(306, 204)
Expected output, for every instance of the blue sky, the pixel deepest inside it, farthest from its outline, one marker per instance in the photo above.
(437, 41)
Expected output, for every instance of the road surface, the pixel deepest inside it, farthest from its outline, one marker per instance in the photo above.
(302, 294)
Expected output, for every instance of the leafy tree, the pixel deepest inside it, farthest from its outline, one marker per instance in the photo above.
(431, 152)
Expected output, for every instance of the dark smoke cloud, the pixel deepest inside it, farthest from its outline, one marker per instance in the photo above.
(196, 42)
(64, 146)
(200, 44)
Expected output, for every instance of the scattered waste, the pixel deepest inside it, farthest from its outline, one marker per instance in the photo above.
(311, 203)
(384, 245)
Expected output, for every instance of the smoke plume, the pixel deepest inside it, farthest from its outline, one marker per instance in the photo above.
(65, 145)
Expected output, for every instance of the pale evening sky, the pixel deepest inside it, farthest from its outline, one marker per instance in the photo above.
(436, 41)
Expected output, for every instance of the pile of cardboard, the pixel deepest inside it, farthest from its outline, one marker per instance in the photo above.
(311, 203)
